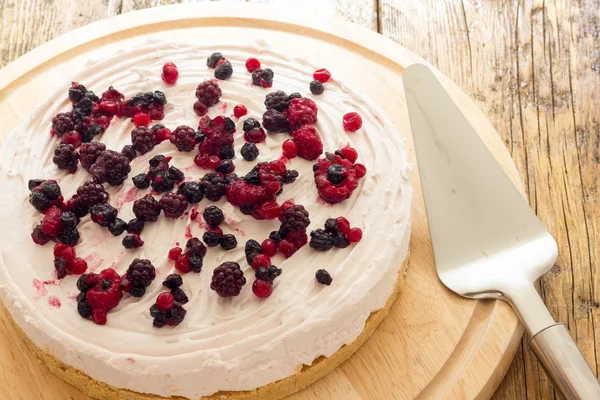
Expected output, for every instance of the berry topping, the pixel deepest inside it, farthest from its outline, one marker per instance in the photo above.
(64, 251)
(89, 153)
(60, 265)
(275, 121)
(63, 123)
(76, 266)
(249, 124)
(352, 122)
(213, 216)
(68, 219)
(354, 235)
(268, 273)
(309, 142)
(170, 73)
(89, 194)
(322, 75)
(179, 296)
(182, 264)
(111, 167)
(228, 242)
(211, 238)
(331, 225)
(209, 93)
(252, 64)
(321, 240)
(249, 151)
(295, 219)
(336, 178)
(141, 119)
(224, 70)
(316, 87)
(256, 135)
(302, 111)
(66, 157)
(140, 273)
(191, 191)
(213, 186)
(173, 205)
(146, 209)
(195, 247)
(239, 111)
(200, 108)
(277, 100)
(226, 153)
(68, 236)
(225, 167)
(132, 241)
(72, 137)
(228, 279)
(340, 240)
(174, 253)
(184, 138)
(135, 226)
(214, 58)
(360, 170)
(323, 277)
(103, 214)
(336, 174)
(343, 225)
(51, 223)
(141, 181)
(260, 260)
(117, 227)
(105, 293)
(262, 288)
(275, 236)
(165, 301)
(173, 281)
(263, 77)
(286, 248)
(143, 139)
(129, 152)
(289, 148)
(172, 317)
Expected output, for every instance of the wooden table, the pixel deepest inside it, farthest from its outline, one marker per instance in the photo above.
(532, 67)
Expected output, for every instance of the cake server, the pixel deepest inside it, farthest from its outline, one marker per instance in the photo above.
(487, 242)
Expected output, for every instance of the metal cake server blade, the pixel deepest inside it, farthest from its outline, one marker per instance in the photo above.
(487, 242)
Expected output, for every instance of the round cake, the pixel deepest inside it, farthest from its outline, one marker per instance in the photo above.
(242, 229)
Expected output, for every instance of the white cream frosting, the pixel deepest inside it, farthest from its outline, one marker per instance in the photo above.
(223, 344)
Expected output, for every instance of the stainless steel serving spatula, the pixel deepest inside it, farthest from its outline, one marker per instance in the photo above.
(486, 240)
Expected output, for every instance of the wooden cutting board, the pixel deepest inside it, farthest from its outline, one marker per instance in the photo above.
(434, 344)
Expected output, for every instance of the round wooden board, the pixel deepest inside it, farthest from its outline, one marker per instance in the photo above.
(434, 344)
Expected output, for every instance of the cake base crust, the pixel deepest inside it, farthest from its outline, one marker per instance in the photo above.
(273, 391)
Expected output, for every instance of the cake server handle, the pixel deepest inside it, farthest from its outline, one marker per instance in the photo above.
(554, 347)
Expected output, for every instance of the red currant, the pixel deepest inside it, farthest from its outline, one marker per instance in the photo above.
(141, 119)
(240, 110)
(201, 160)
(360, 170)
(350, 154)
(262, 288)
(213, 162)
(260, 260)
(164, 301)
(72, 137)
(354, 235)
(252, 64)
(352, 122)
(269, 247)
(322, 75)
(255, 135)
(174, 253)
(183, 263)
(290, 148)
(109, 107)
(343, 225)
(170, 73)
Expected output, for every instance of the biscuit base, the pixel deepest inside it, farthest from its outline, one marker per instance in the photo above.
(306, 375)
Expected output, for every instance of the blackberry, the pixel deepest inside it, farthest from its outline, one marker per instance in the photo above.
(38, 236)
(289, 176)
(68, 235)
(228, 242)
(191, 191)
(84, 106)
(247, 210)
(251, 249)
(89, 153)
(323, 277)
(51, 190)
(263, 77)
(84, 309)
(129, 152)
(275, 236)
(213, 216)
(316, 87)
(162, 182)
(173, 205)
(294, 95)
(295, 219)
(66, 157)
(89, 194)
(146, 209)
(230, 178)
(63, 123)
(135, 225)
(111, 167)
(68, 219)
(137, 291)
(213, 186)
(224, 71)
(214, 58)
(249, 124)
(184, 138)
(175, 315)
(158, 314)
(211, 238)
(141, 273)
(253, 176)
(132, 241)
(33, 183)
(194, 247)
(143, 139)
(209, 93)
(179, 295)
(76, 92)
(249, 151)
(103, 214)
(340, 240)
(277, 100)
(175, 174)
(320, 240)
(225, 167)
(336, 174)
(39, 201)
(141, 181)
(117, 227)
(173, 281)
(60, 265)
(274, 121)
(226, 152)
(268, 274)
(228, 279)
(88, 133)
(159, 98)
(195, 263)
(331, 225)
(157, 160)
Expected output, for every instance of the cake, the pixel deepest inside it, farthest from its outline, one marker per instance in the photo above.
(278, 274)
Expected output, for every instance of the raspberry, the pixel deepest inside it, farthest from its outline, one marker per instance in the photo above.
(170, 73)
(224, 70)
(249, 124)
(194, 247)
(173, 281)
(294, 219)
(343, 225)
(240, 110)
(66, 157)
(72, 137)
(249, 151)
(89, 153)
(209, 93)
(340, 240)
(64, 251)
(103, 214)
(302, 111)
(360, 170)
(132, 241)
(274, 121)
(38, 236)
(214, 58)
(228, 242)
(277, 100)
(117, 227)
(268, 209)
(316, 87)
(51, 223)
(228, 279)
(60, 265)
(241, 193)
(184, 138)
(106, 293)
(68, 236)
(140, 273)
(211, 238)
(213, 216)
(323, 277)
(110, 167)
(173, 205)
(226, 153)
(161, 133)
(320, 240)
(322, 75)
(352, 122)
(146, 209)
(263, 77)
(309, 142)
(286, 248)
(262, 289)
(141, 181)
(89, 194)
(77, 266)
(141, 120)
(289, 148)
(135, 226)
(354, 235)
(268, 273)
(63, 123)
(213, 186)
(191, 191)
(252, 64)
(143, 139)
